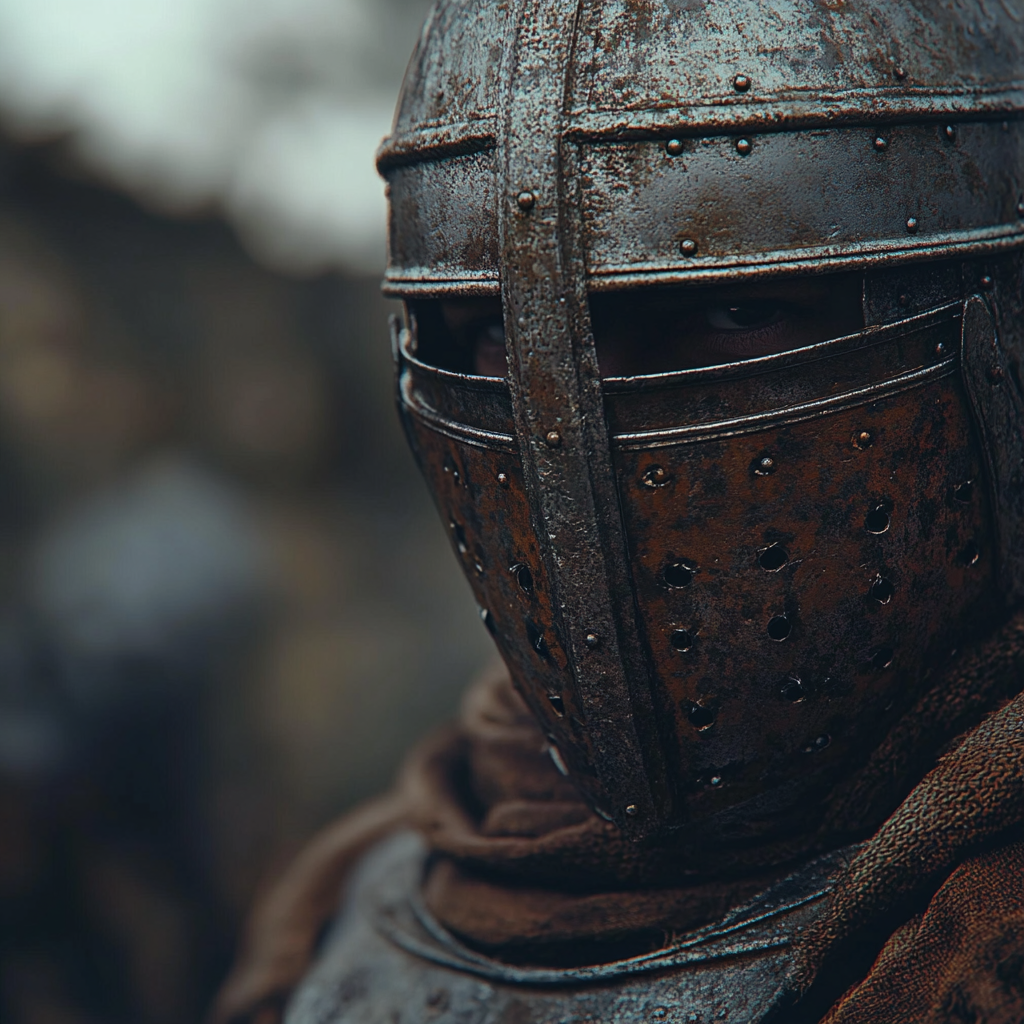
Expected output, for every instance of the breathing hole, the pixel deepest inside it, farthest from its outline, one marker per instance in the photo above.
(882, 590)
(557, 703)
(683, 640)
(536, 638)
(773, 559)
(680, 574)
(793, 690)
(779, 628)
(965, 492)
(701, 718)
(877, 521)
(882, 658)
(523, 577)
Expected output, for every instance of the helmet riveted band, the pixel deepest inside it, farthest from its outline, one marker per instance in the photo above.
(558, 410)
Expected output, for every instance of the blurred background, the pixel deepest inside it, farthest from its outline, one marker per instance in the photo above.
(226, 603)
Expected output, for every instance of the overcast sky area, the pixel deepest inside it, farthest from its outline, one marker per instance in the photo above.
(268, 110)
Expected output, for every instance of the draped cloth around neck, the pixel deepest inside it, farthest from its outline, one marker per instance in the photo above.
(925, 925)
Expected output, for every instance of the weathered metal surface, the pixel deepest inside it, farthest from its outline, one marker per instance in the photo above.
(579, 146)
(833, 197)
(387, 960)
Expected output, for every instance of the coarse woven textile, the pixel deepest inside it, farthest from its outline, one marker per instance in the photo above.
(926, 925)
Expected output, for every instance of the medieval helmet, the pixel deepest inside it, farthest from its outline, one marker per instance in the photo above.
(717, 586)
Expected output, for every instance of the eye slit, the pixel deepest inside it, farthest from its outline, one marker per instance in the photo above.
(744, 316)
(487, 344)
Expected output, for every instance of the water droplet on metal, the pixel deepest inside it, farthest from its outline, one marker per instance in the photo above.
(881, 144)
(987, 283)
(950, 132)
(912, 225)
(674, 147)
(940, 349)
(741, 83)
(744, 147)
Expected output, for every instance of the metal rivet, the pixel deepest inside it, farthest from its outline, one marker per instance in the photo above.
(765, 466)
(940, 349)
(674, 147)
(912, 225)
(553, 439)
(688, 247)
(526, 201)
(741, 83)
(744, 147)
(987, 283)
(632, 810)
(592, 640)
(503, 479)
(1020, 208)
(863, 440)
(881, 144)
(950, 132)
(656, 477)
(900, 72)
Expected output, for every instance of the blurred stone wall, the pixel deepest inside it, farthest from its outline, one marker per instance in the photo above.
(227, 605)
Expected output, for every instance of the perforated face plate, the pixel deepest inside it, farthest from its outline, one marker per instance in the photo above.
(622, 537)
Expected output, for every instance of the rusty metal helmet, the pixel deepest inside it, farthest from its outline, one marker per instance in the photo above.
(717, 586)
